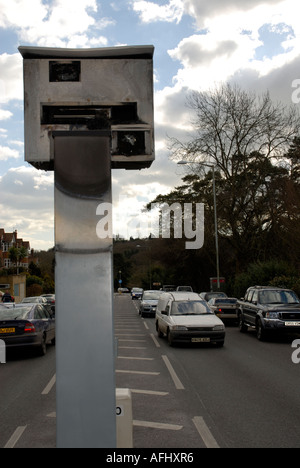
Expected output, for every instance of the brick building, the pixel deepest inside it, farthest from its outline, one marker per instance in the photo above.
(9, 240)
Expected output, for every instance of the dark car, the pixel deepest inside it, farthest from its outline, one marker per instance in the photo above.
(269, 310)
(27, 325)
(207, 296)
(136, 293)
(50, 298)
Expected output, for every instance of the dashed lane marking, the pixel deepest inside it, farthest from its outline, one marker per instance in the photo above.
(135, 358)
(155, 341)
(50, 385)
(15, 437)
(205, 433)
(157, 425)
(136, 372)
(149, 392)
(173, 374)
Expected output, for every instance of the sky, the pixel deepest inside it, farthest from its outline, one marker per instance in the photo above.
(198, 45)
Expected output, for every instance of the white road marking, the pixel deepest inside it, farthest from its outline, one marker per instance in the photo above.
(136, 372)
(129, 334)
(156, 425)
(155, 341)
(134, 341)
(149, 392)
(205, 433)
(50, 385)
(136, 358)
(173, 374)
(15, 437)
(131, 347)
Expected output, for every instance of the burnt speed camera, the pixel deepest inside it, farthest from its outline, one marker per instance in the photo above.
(90, 90)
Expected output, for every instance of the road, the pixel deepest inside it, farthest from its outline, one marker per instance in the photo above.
(27, 400)
(245, 395)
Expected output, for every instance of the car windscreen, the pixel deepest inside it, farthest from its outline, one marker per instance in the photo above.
(190, 308)
(18, 313)
(213, 295)
(278, 297)
(151, 296)
(225, 301)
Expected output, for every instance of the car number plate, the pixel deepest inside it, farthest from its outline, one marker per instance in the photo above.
(200, 340)
(292, 324)
(7, 331)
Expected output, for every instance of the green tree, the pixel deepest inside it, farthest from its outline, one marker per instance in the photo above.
(16, 255)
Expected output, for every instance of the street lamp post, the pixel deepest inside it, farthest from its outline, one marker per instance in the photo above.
(183, 163)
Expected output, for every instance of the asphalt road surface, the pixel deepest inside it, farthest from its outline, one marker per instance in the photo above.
(245, 395)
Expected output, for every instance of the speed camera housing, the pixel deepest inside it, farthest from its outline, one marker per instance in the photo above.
(90, 90)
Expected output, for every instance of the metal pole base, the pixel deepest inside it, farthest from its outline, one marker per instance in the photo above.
(85, 389)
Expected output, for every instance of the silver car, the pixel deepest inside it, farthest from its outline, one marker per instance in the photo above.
(149, 303)
(185, 318)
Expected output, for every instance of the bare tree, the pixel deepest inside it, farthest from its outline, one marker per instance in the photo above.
(233, 127)
(247, 138)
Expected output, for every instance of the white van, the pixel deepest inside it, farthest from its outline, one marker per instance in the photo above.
(184, 317)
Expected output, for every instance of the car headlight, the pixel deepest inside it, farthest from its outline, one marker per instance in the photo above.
(219, 328)
(179, 328)
(272, 315)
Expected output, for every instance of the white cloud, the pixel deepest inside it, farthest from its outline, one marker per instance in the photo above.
(21, 13)
(152, 12)
(227, 49)
(230, 41)
(11, 83)
(8, 153)
(3, 133)
(206, 11)
(210, 58)
(27, 203)
(130, 199)
(18, 143)
(59, 23)
(5, 114)
(32, 181)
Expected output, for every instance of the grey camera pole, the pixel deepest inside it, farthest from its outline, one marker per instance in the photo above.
(86, 112)
(86, 409)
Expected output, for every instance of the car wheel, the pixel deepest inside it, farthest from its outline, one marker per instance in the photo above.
(43, 346)
(243, 328)
(170, 341)
(159, 333)
(260, 331)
